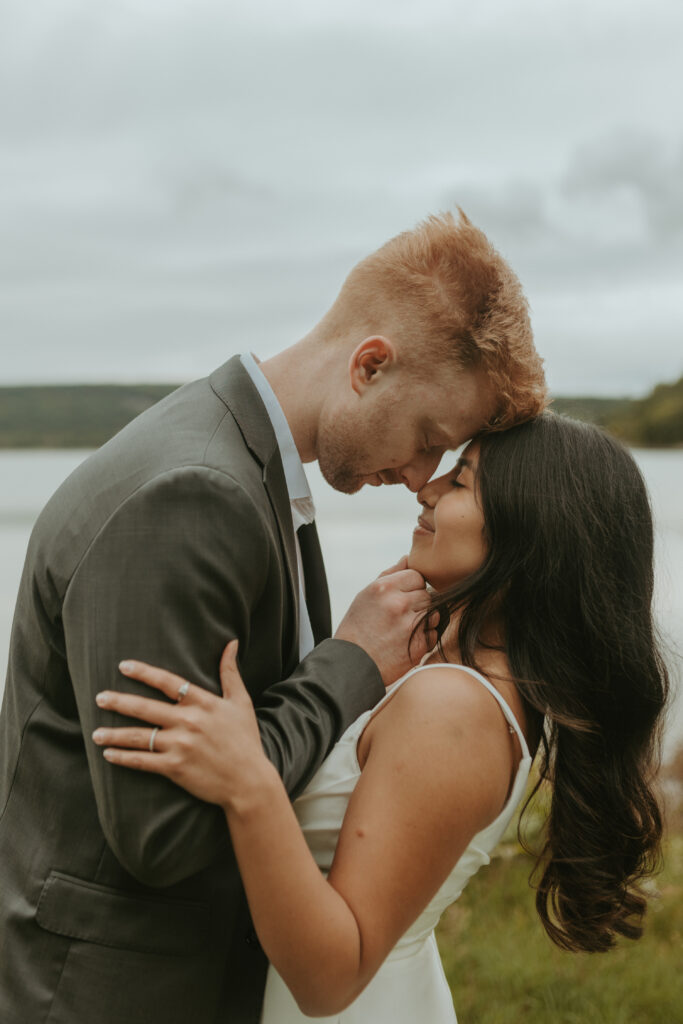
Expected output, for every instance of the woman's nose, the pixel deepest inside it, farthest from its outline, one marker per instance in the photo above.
(429, 494)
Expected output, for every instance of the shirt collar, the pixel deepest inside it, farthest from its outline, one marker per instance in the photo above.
(295, 476)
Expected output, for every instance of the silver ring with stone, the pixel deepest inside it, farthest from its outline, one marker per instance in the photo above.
(155, 730)
(182, 692)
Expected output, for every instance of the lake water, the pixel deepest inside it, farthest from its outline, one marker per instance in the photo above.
(361, 535)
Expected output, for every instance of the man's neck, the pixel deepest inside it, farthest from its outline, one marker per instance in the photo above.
(299, 377)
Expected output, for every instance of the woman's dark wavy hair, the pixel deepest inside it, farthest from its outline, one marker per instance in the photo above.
(569, 570)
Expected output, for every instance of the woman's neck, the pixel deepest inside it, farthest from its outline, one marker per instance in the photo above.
(491, 640)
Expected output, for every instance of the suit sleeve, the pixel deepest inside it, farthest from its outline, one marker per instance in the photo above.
(175, 573)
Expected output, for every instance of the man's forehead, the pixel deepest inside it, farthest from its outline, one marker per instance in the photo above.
(445, 434)
(464, 420)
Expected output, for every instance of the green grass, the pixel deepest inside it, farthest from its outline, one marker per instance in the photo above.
(503, 969)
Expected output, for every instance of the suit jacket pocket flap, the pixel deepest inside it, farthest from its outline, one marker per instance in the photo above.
(112, 917)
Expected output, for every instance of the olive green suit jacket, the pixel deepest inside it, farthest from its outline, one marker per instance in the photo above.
(120, 900)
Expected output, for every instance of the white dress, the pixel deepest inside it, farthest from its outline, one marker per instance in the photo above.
(410, 985)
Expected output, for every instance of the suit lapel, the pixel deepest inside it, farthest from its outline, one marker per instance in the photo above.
(235, 388)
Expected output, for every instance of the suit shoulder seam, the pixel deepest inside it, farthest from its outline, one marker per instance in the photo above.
(210, 470)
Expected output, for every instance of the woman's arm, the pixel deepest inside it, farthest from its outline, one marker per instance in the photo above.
(437, 772)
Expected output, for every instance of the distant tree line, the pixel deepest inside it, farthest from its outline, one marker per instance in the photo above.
(87, 415)
(72, 416)
(655, 421)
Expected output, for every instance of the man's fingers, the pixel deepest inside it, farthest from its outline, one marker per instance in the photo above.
(422, 601)
(422, 643)
(429, 635)
(431, 623)
(407, 580)
(401, 564)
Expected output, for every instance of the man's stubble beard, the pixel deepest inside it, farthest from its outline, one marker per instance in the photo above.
(341, 453)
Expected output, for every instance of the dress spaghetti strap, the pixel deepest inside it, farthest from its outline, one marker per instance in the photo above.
(504, 706)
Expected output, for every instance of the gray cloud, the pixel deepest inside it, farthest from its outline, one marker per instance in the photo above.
(636, 162)
(514, 211)
(179, 180)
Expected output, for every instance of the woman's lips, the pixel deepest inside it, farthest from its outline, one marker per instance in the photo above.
(423, 526)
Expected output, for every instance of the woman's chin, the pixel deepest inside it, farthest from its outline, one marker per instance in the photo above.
(416, 563)
(414, 560)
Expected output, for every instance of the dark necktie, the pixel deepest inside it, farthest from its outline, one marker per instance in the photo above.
(315, 582)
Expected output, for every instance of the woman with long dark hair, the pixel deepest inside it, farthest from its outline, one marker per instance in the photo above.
(538, 547)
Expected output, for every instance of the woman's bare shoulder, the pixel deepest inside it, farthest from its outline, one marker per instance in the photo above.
(443, 704)
(444, 732)
(447, 696)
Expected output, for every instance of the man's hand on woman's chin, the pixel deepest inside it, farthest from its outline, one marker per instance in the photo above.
(382, 618)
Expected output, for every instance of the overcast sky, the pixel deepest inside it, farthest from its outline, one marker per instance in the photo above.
(184, 179)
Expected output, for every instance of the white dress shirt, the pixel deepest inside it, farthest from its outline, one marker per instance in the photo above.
(300, 498)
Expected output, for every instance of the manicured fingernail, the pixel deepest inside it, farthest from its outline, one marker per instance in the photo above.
(102, 699)
(109, 754)
(97, 735)
(125, 666)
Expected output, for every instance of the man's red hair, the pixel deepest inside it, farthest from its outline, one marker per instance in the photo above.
(446, 296)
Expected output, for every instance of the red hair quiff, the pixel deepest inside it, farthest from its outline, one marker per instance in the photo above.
(443, 291)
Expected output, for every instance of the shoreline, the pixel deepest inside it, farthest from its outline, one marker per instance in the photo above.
(73, 416)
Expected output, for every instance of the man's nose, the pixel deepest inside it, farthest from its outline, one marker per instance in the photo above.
(416, 473)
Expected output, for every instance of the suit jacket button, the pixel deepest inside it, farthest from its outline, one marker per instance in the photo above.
(251, 939)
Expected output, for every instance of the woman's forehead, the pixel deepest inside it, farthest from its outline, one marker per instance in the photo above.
(470, 455)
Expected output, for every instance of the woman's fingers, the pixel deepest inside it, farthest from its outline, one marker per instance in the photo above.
(151, 710)
(143, 761)
(206, 744)
(168, 683)
(132, 737)
(230, 675)
(158, 712)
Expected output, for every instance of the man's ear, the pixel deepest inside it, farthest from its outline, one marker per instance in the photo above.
(370, 360)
